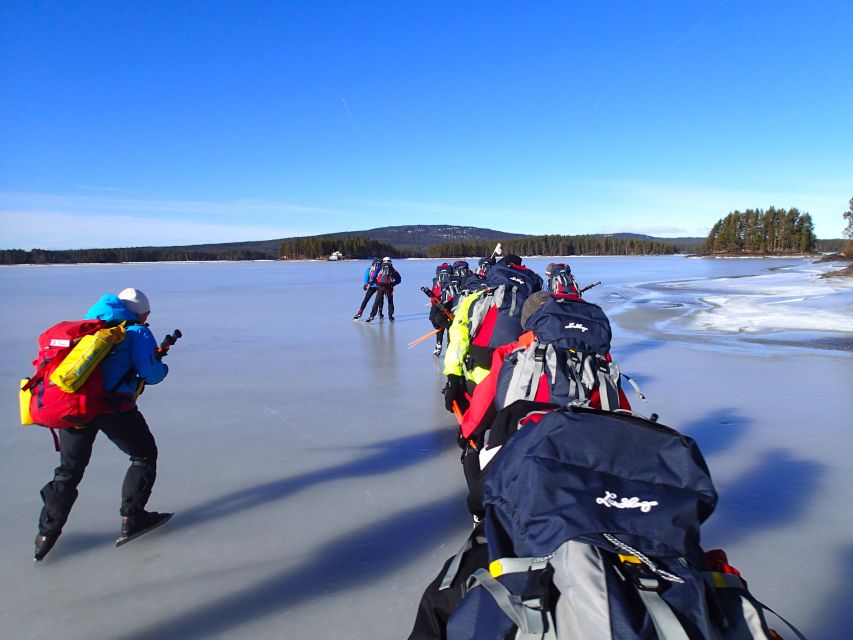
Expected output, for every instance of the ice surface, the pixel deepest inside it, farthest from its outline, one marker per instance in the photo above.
(314, 472)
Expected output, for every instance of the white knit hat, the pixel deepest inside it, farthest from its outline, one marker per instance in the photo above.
(135, 301)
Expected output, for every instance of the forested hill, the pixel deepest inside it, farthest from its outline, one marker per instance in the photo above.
(419, 237)
(399, 241)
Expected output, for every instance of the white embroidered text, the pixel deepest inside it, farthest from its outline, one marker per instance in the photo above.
(610, 500)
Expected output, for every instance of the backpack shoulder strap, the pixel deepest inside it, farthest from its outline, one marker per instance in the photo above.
(528, 368)
(527, 615)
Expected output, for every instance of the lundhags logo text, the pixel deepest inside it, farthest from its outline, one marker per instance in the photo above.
(610, 500)
(575, 325)
(518, 280)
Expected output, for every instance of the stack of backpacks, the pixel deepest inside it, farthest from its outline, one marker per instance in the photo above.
(587, 515)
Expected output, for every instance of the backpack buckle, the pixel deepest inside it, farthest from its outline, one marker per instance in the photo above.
(632, 569)
(647, 583)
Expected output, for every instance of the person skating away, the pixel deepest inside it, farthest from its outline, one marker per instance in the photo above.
(369, 286)
(132, 362)
(443, 287)
(387, 278)
(451, 284)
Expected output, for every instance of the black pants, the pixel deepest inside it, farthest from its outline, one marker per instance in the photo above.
(130, 433)
(439, 321)
(383, 291)
(368, 294)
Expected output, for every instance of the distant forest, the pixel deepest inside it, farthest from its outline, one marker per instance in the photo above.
(556, 245)
(774, 231)
(132, 254)
(322, 247)
(553, 245)
(319, 247)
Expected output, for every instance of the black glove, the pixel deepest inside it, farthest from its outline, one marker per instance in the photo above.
(365, 287)
(454, 390)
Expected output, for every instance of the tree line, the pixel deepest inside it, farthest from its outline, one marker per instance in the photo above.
(319, 247)
(107, 256)
(557, 245)
(314, 247)
(773, 231)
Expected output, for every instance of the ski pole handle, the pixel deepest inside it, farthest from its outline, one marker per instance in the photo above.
(437, 302)
(167, 343)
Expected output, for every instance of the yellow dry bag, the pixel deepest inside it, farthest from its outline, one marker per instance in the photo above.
(24, 396)
(87, 354)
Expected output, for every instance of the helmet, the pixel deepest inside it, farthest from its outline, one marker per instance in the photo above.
(461, 268)
(386, 259)
(483, 266)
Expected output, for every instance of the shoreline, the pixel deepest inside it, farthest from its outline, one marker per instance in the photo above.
(807, 312)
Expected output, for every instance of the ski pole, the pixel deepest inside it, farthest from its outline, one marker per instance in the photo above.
(457, 412)
(437, 302)
(588, 287)
(416, 342)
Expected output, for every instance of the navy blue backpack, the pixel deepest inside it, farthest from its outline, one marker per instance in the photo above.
(495, 317)
(593, 526)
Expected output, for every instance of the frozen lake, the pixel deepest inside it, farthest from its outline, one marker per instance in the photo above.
(314, 471)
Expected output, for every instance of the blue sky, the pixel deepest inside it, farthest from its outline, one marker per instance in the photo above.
(160, 123)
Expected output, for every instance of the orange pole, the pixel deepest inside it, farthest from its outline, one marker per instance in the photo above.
(457, 412)
(416, 342)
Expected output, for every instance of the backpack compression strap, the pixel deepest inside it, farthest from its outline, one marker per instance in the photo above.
(453, 568)
(586, 372)
(528, 615)
(719, 580)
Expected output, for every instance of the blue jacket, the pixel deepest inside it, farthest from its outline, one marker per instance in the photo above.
(137, 352)
(368, 280)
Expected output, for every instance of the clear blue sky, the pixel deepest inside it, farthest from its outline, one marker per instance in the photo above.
(137, 123)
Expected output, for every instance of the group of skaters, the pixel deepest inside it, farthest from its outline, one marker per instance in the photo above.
(380, 278)
(586, 515)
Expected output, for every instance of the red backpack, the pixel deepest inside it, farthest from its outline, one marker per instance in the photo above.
(49, 405)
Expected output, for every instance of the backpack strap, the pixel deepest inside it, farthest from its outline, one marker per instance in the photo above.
(633, 384)
(666, 624)
(514, 301)
(453, 568)
(55, 439)
(607, 374)
(526, 373)
(718, 580)
(528, 615)
(591, 371)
